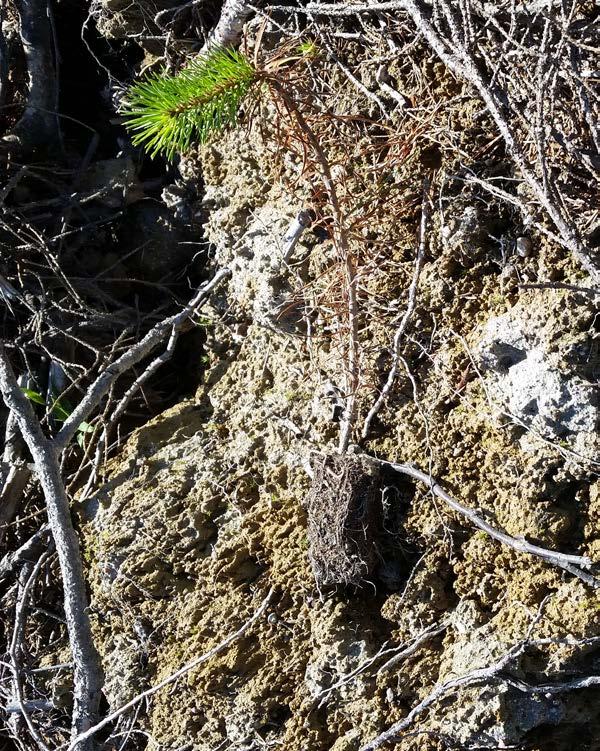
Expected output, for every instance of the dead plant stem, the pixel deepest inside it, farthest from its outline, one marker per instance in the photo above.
(340, 240)
(410, 307)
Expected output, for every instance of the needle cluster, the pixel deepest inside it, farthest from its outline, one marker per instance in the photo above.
(168, 113)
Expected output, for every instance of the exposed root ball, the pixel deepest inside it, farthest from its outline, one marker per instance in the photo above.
(344, 512)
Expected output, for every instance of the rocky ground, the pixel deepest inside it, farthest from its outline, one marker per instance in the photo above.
(210, 504)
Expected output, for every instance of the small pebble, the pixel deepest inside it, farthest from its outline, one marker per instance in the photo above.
(523, 246)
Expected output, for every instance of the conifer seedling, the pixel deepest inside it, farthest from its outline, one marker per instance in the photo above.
(167, 113)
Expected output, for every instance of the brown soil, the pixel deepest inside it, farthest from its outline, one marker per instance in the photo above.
(205, 510)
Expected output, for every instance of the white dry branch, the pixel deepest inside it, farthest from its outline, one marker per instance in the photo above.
(28, 551)
(576, 565)
(395, 656)
(39, 123)
(101, 386)
(475, 677)
(46, 453)
(87, 674)
(176, 326)
(14, 649)
(228, 30)
(14, 471)
(485, 676)
(294, 233)
(220, 647)
(458, 58)
(412, 647)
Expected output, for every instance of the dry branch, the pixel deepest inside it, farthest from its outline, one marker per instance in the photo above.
(476, 677)
(38, 125)
(87, 672)
(461, 62)
(410, 306)
(294, 233)
(573, 564)
(396, 655)
(46, 456)
(228, 30)
(14, 473)
(76, 742)
(15, 647)
(101, 386)
(485, 676)
(29, 550)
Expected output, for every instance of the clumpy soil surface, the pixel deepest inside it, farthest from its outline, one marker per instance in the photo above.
(207, 508)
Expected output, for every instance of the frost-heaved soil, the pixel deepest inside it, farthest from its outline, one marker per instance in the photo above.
(205, 509)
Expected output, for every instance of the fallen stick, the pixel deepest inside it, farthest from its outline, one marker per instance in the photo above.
(573, 564)
(461, 62)
(294, 233)
(399, 655)
(495, 672)
(410, 306)
(122, 406)
(173, 677)
(483, 675)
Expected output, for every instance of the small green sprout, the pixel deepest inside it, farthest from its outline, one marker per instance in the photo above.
(60, 410)
(308, 49)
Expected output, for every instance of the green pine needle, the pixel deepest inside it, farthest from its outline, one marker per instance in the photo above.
(168, 113)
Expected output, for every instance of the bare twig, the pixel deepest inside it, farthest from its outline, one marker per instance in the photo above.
(122, 406)
(459, 60)
(4, 69)
(294, 233)
(98, 390)
(414, 646)
(15, 646)
(573, 564)
(410, 306)
(475, 677)
(88, 674)
(75, 743)
(29, 550)
(485, 676)
(398, 655)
